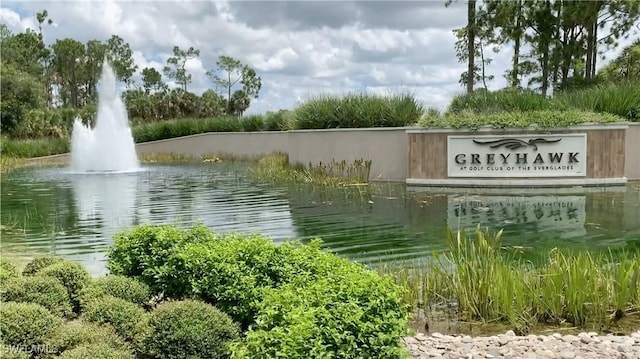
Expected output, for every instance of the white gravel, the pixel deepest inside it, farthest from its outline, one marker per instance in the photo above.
(508, 345)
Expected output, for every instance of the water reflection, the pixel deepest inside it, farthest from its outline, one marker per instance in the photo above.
(76, 216)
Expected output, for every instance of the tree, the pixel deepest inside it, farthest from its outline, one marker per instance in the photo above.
(120, 56)
(68, 64)
(230, 73)
(152, 80)
(176, 65)
(624, 67)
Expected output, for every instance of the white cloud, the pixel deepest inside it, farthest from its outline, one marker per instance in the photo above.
(300, 49)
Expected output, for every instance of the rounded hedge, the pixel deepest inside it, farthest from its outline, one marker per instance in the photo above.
(26, 324)
(76, 333)
(72, 275)
(189, 329)
(96, 351)
(46, 291)
(117, 286)
(37, 263)
(127, 319)
(7, 271)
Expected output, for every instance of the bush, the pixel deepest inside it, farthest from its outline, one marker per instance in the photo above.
(117, 286)
(96, 351)
(358, 111)
(189, 329)
(73, 277)
(78, 333)
(361, 319)
(7, 271)
(256, 283)
(617, 99)
(540, 119)
(252, 123)
(38, 263)
(45, 291)
(26, 324)
(30, 148)
(128, 319)
(143, 253)
(505, 100)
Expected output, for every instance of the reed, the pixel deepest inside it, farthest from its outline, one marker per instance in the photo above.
(275, 168)
(486, 282)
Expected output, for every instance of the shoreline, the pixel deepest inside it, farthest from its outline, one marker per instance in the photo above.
(584, 345)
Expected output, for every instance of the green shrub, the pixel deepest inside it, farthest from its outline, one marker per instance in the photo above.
(352, 314)
(37, 263)
(617, 99)
(184, 127)
(30, 148)
(143, 253)
(7, 271)
(96, 351)
(26, 324)
(117, 286)
(505, 100)
(252, 123)
(46, 291)
(540, 119)
(358, 111)
(277, 121)
(189, 329)
(73, 277)
(74, 334)
(127, 318)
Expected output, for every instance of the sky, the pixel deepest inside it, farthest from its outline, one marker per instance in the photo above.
(300, 49)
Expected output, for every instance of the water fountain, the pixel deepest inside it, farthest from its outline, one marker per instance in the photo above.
(109, 146)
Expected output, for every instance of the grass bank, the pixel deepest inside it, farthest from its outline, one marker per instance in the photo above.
(275, 169)
(482, 281)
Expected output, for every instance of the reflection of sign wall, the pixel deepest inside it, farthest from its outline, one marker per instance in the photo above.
(555, 155)
(565, 214)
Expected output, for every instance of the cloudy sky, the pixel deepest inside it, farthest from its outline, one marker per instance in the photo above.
(299, 48)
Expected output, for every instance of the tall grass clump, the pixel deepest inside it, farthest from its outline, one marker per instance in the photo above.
(505, 100)
(488, 283)
(184, 127)
(621, 99)
(543, 119)
(275, 168)
(27, 148)
(358, 111)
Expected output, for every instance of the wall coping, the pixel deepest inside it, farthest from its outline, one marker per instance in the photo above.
(588, 126)
(514, 183)
(349, 129)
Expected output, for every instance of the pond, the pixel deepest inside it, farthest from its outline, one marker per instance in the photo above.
(50, 210)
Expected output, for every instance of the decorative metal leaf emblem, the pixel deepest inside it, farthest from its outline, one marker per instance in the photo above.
(514, 143)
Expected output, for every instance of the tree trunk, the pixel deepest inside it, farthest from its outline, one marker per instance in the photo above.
(515, 82)
(594, 57)
(471, 38)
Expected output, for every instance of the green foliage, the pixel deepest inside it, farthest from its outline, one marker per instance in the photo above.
(358, 111)
(175, 68)
(175, 128)
(73, 277)
(7, 271)
(34, 148)
(97, 351)
(492, 283)
(26, 323)
(129, 320)
(21, 92)
(231, 73)
(621, 99)
(144, 252)
(282, 120)
(189, 329)
(326, 318)
(238, 273)
(37, 263)
(117, 286)
(252, 123)
(46, 291)
(626, 66)
(539, 119)
(74, 334)
(506, 100)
